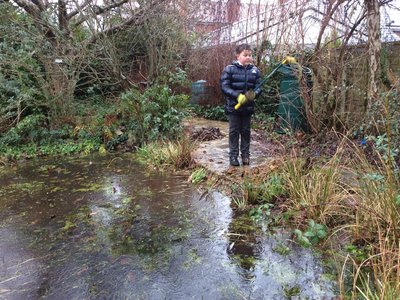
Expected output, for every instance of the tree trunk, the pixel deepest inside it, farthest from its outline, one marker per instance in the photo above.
(374, 50)
(61, 87)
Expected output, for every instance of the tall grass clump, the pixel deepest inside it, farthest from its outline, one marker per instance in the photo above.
(257, 190)
(359, 202)
(315, 190)
(377, 212)
(376, 227)
(174, 155)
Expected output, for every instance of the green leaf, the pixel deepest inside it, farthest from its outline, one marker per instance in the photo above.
(68, 225)
(305, 242)
(309, 234)
(321, 233)
(298, 232)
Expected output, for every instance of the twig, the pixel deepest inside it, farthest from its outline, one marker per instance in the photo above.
(9, 279)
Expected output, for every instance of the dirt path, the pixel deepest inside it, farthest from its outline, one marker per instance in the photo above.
(214, 154)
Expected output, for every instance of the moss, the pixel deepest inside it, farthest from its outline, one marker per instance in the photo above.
(89, 187)
(23, 187)
(192, 258)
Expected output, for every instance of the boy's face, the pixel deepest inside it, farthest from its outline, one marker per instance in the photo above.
(245, 57)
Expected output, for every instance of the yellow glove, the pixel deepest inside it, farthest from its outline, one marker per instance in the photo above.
(241, 99)
(250, 95)
(289, 60)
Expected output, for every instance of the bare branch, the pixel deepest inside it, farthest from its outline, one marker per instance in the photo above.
(34, 11)
(350, 34)
(62, 15)
(28, 7)
(111, 6)
(79, 9)
(332, 7)
(143, 14)
(39, 4)
(101, 10)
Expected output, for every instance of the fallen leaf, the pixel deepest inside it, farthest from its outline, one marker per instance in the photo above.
(125, 261)
(131, 277)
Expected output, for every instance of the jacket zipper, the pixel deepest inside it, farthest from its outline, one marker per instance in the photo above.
(245, 79)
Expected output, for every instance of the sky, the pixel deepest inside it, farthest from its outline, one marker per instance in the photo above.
(395, 14)
(391, 14)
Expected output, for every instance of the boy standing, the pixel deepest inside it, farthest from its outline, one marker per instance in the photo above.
(238, 81)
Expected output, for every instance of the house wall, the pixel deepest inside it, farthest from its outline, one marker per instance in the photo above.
(213, 15)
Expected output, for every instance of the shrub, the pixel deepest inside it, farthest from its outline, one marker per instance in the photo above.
(209, 112)
(154, 115)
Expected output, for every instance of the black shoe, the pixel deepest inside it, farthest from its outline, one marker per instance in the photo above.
(245, 160)
(233, 161)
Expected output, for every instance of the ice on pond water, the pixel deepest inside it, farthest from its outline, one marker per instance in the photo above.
(105, 227)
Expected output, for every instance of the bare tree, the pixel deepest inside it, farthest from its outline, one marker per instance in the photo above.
(65, 32)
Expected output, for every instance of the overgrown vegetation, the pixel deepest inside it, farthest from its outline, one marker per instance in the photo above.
(68, 87)
(132, 120)
(91, 78)
(209, 112)
(346, 205)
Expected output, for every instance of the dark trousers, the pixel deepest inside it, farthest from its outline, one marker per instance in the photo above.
(239, 128)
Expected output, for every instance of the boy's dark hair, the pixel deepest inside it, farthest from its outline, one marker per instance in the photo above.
(241, 47)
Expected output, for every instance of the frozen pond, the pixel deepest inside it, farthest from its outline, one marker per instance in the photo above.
(103, 227)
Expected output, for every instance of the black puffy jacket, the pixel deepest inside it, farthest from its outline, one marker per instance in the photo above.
(237, 79)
